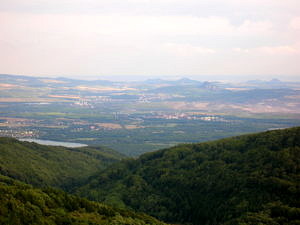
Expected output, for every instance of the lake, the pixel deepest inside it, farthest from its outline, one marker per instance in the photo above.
(54, 143)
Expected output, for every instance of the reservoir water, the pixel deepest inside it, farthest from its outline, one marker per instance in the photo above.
(54, 143)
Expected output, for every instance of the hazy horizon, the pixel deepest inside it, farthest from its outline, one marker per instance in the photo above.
(221, 78)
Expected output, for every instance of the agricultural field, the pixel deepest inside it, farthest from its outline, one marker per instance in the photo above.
(139, 117)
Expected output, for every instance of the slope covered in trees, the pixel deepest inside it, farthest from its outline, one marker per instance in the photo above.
(22, 204)
(250, 179)
(42, 165)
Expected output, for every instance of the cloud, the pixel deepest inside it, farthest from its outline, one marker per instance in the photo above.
(295, 23)
(149, 36)
(241, 50)
(255, 28)
(188, 49)
(271, 50)
(279, 49)
(114, 24)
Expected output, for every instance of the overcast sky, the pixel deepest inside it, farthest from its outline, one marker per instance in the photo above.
(138, 39)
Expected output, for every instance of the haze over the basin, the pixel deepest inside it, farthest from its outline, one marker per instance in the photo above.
(134, 39)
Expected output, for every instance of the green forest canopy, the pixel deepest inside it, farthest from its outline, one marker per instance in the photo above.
(249, 179)
(22, 204)
(55, 166)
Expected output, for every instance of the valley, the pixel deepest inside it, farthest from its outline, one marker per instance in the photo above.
(149, 112)
(181, 151)
(138, 117)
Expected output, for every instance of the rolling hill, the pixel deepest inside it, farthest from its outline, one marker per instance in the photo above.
(250, 179)
(22, 204)
(42, 165)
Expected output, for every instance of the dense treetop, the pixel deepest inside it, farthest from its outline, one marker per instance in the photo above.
(249, 179)
(42, 165)
(22, 204)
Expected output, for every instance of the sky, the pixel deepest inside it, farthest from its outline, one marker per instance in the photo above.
(139, 39)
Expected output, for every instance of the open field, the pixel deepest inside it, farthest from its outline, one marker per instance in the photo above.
(135, 118)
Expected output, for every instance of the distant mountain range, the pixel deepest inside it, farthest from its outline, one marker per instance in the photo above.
(62, 81)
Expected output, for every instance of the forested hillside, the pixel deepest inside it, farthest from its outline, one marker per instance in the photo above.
(22, 204)
(42, 165)
(250, 179)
